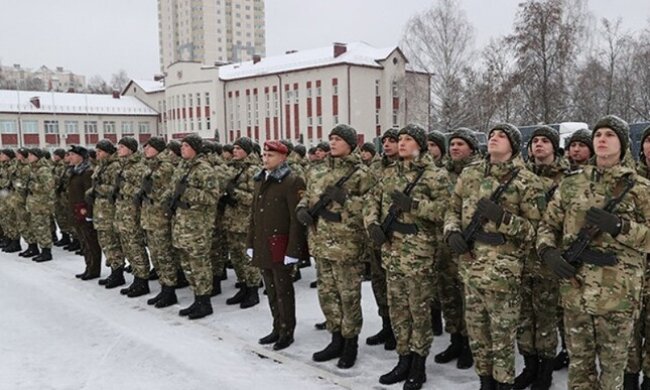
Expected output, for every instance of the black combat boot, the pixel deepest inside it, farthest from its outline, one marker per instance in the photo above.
(646, 383)
(168, 297)
(333, 350)
(436, 321)
(216, 285)
(13, 247)
(487, 382)
(152, 301)
(81, 275)
(4, 242)
(545, 376)
(529, 374)
(55, 238)
(453, 350)
(65, 240)
(562, 359)
(349, 354)
(46, 255)
(321, 325)
(283, 342)
(31, 251)
(74, 246)
(297, 275)
(504, 386)
(399, 373)
(465, 360)
(269, 338)
(181, 279)
(202, 309)
(313, 284)
(384, 334)
(116, 278)
(187, 310)
(417, 374)
(238, 297)
(153, 274)
(630, 381)
(251, 299)
(138, 288)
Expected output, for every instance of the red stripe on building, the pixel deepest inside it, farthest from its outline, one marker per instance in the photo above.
(10, 139)
(207, 111)
(296, 120)
(113, 137)
(287, 118)
(295, 86)
(232, 135)
(310, 132)
(144, 137)
(319, 132)
(229, 94)
(92, 139)
(198, 112)
(73, 139)
(335, 105)
(319, 106)
(257, 133)
(395, 103)
(32, 139)
(308, 84)
(267, 125)
(378, 132)
(335, 81)
(266, 90)
(378, 102)
(317, 83)
(286, 87)
(248, 131)
(276, 131)
(309, 111)
(248, 92)
(275, 88)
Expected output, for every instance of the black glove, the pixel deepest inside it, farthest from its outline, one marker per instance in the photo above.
(402, 201)
(303, 217)
(337, 194)
(147, 185)
(607, 222)
(230, 188)
(490, 210)
(457, 243)
(552, 257)
(376, 234)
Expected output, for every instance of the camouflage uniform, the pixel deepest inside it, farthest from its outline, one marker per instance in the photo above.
(127, 214)
(21, 184)
(492, 274)
(409, 260)
(62, 212)
(7, 199)
(219, 248)
(337, 246)
(101, 193)
(40, 202)
(599, 312)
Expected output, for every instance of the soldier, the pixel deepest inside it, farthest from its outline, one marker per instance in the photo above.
(311, 154)
(21, 185)
(238, 199)
(414, 194)
(537, 334)
(40, 204)
(275, 238)
(127, 215)
(227, 152)
(601, 288)
(61, 210)
(437, 146)
(368, 153)
(335, 240)
(580, 148)
(80, 182)
(192, 206)
(463, 151)
(503, 198)
(154, 221)
(322, 151)
(8, 196)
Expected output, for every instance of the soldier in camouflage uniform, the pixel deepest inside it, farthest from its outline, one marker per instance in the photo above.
(537, 334)
(335, 237)
(322, 151)
(408, 252)
(463, 150)
(127, 215)
(40, 203)
(192, 206)
(491, 263)
(601, 299)
(580, 148)
(20, 185)
(61, 212)
(638, 358)
(368, 153)
(154, 221)
(7, 200)
(238, 200)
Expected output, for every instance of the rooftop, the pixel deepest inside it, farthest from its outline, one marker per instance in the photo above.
(148, 86)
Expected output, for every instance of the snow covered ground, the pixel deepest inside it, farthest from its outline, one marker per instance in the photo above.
(58, 332)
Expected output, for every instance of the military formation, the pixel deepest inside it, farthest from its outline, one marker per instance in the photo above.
(530, 255)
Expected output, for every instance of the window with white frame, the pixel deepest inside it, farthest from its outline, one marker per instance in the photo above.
(71, 127)
(8, 127)
(109, 127)
(90, 127)
(51, 127)
(127, 127)
(30, 127)
(144, 127)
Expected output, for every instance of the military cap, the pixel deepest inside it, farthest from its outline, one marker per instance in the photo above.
(347, 133)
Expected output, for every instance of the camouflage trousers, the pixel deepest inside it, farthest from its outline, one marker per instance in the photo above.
(246, 272)
(196, 264)
(132, 238)
(492, 318)
(109, 240)
(22, 217)
(378, 283)
(219, 249)
(537, 333)
(409, 302)
(604, 338)
(450, 291)
(339, 295)
(39, 214)
(163, 255)
(8, 219)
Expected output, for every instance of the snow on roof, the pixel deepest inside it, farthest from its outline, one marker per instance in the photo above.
(357, 53)
(71, 103)
(149, 86)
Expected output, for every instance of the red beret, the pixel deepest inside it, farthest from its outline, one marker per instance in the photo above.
(276, 146)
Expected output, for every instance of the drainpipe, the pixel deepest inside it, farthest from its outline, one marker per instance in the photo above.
(349, 98)
(281, 108)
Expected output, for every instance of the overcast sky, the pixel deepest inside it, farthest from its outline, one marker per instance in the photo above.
(93, 37)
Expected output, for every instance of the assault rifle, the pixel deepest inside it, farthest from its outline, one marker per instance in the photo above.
(175, 202)
(390, 223)
(320, 208)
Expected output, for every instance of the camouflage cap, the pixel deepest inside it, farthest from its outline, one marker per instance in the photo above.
(392, 133)
(245, 143)
(550, 133)
(92, 154)
(466, 135)
(513, 134)
(174, 146)
(218, 149)
(417, 133)
(130, 143)
(300, 149)
(59, 152)
(9, 153)
(324, 146)
(369, 147)
(105, 145)
(208, 146)
(257, 149)
(157, 143)
(194, 141)
(228, 148)
(46, 154)
(312, 150)
(348, 133)
(583, 136)
(438, 138)
(38, 152)
(288, 144)
(619, 126)
(646, 134)
(23, 152)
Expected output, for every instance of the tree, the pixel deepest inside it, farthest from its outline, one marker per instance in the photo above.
(439, 41)
(119, 80)
(97, 85)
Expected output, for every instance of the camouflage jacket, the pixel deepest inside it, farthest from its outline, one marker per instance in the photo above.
(456, 167)
(21, 179)
(159, 171)
(607, 288)
(130, 178)
(338, 241)
(295, 163)
(40, 187)
(378, 165)
(103, 180)
(496, 268)
(642, 169)
(7, 173)
(237, 215)
(410, 253)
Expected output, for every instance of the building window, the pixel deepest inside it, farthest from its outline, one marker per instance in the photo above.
(90, 127)
(8, 127)
(395, 124)
(376, 87)
(51, 127)
(109, 127)
(30, 127)
(71, 127)
(395, 90)
(376, 117)
(207, 99)
(336, 119)
(127, 128)
(335, 90)
(143, 127)
(319, 120)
